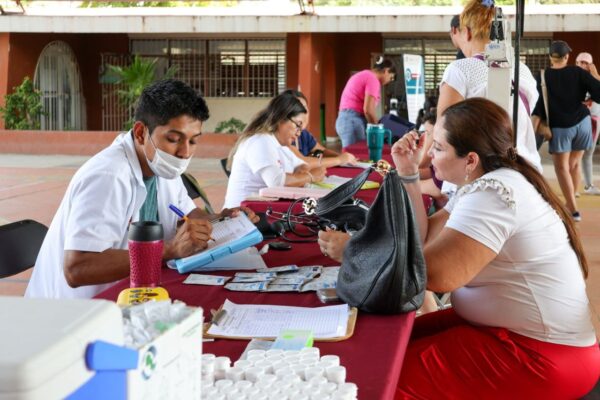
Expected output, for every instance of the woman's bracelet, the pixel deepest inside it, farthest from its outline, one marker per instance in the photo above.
(409, 178)
(312, 179)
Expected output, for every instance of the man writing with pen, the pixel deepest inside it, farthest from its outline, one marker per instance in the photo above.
(136, 178)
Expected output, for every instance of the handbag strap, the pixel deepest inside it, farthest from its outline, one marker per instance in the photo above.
(545, 94)
(342, 193)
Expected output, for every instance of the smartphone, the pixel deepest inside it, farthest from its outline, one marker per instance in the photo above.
(280, 246)
(327, 295)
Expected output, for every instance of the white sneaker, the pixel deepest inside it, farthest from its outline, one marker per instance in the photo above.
(592, 190)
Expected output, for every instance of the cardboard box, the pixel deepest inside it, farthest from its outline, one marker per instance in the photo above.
(170, 366)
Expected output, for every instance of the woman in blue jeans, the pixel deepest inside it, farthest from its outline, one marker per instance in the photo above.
(359, 99)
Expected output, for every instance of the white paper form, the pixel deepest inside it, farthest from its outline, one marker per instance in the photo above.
(330, 182)
(230, 229)
(359, 164)
(262, 321)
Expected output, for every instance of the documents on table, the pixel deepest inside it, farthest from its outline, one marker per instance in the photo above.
(266, 321)
(333, 181)
(290, 192)
(230, 236)
(359, 164)
(211, 280)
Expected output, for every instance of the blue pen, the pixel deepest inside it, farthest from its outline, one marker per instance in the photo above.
(178, 212)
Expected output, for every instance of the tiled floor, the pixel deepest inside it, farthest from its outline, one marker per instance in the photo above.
(33, 186)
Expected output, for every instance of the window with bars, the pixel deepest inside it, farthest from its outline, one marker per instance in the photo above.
(222, 67)
(216, 68)
(58, 79)
(438, 53)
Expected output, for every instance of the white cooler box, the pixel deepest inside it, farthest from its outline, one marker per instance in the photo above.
(169, 367)
(43, 344)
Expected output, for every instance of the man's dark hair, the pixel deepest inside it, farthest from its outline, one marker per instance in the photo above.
(455, 21)
(167, 99)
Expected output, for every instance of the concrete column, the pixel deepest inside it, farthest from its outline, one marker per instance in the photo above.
(309, 77)
(4, 57)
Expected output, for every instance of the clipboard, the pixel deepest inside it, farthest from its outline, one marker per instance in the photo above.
(207, 256)
(352, 316)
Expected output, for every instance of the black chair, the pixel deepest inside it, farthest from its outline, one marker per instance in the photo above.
(20, 243)
(224, 166)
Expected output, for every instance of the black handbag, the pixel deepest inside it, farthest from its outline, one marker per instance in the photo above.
(383, 269)
(337, 210)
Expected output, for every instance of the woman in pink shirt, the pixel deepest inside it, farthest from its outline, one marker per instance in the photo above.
(359, 98)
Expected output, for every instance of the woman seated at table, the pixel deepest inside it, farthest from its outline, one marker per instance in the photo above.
(309, 150)
(430, 185)
(507, 249)
(261, 157)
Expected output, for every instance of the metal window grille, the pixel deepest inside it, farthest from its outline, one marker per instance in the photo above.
(189, 57)
(216, 68)
(58, 79)
(114, 113)
(226, 68)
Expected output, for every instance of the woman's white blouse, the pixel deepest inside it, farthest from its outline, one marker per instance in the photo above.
(534, 286)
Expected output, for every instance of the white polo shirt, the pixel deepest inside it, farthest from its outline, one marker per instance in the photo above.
(103, 197)
(252, 156)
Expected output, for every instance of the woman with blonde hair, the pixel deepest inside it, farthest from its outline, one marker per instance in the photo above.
(261, 157)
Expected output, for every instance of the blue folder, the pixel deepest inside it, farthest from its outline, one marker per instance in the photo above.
(205, 257)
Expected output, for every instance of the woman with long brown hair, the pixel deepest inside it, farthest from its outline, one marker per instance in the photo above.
(261, 157)
(507, 249)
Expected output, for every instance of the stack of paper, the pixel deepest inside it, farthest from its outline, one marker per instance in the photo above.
(266, 321)
(333, 181)
(359, 164)
(289, 192)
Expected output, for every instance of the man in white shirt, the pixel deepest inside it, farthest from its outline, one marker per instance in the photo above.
(135, 178)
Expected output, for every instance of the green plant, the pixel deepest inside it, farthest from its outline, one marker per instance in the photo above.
(232, 125)
(134, 78)
(23, 107)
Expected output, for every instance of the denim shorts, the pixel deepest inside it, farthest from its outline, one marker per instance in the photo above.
(574, 138)
(350, 126)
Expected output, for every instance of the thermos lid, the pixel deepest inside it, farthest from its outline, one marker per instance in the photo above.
(145, 231)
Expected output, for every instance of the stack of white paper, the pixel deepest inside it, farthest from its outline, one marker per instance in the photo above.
(266, 321)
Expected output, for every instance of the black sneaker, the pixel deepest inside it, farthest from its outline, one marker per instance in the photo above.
(576, 216)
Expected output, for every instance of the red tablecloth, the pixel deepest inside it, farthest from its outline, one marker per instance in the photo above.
(361, 151)
(372, 356)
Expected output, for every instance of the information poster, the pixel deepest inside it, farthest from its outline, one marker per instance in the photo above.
(414, 75)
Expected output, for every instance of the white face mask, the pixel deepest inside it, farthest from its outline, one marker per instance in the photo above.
(165, 165)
